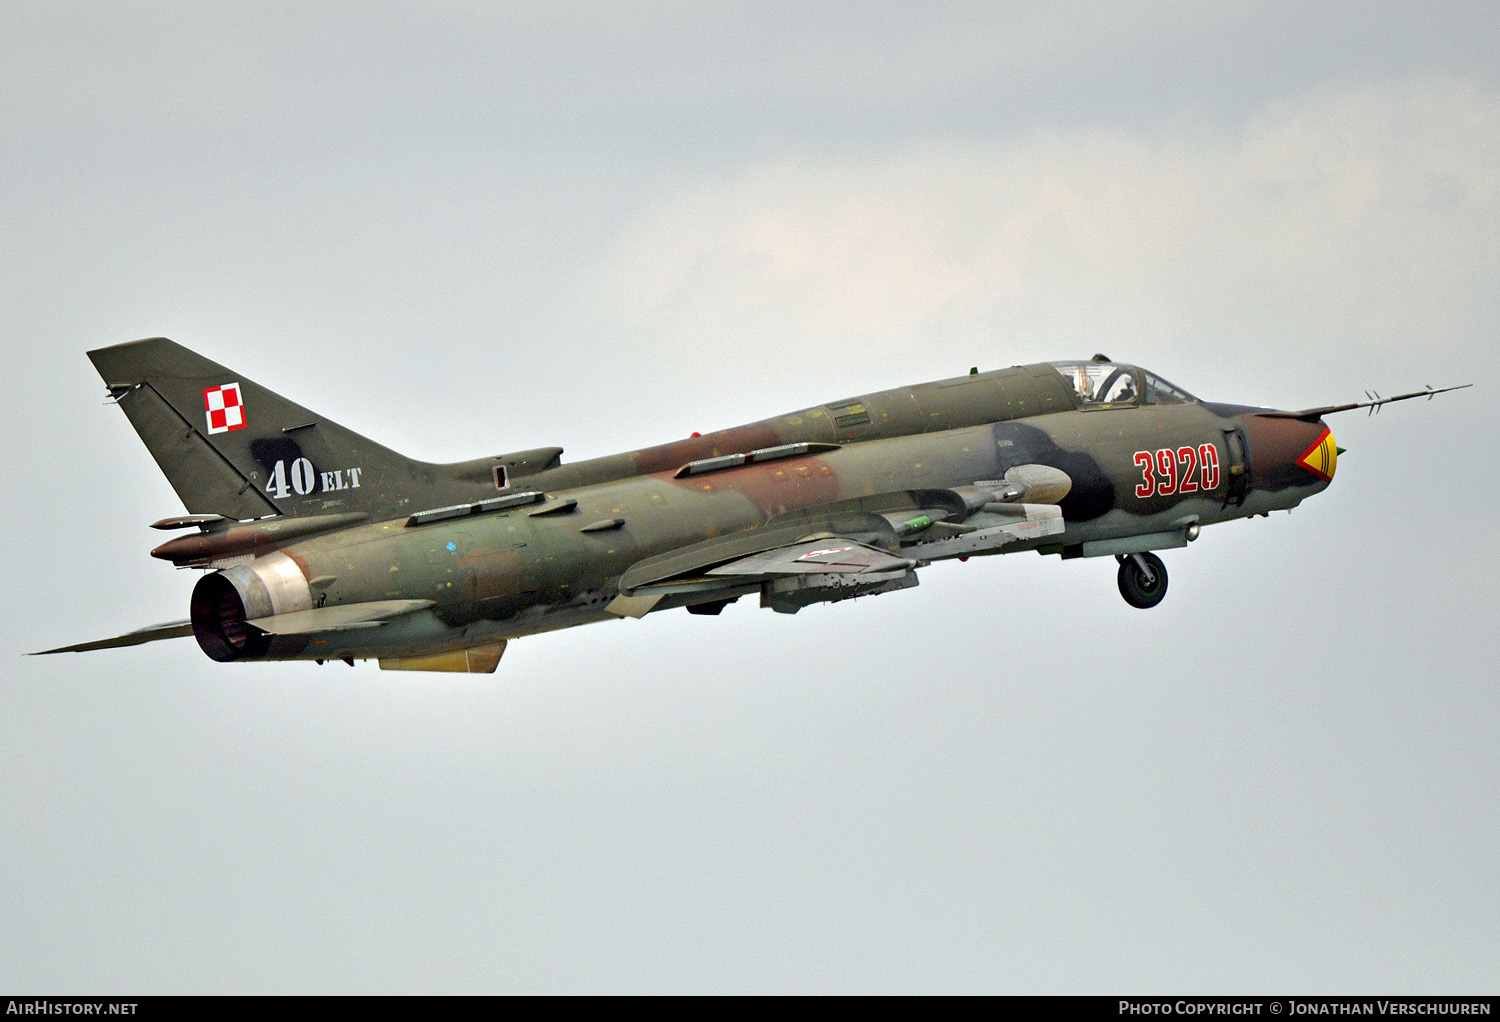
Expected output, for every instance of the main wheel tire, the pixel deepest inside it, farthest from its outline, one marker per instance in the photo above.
(1138, 592)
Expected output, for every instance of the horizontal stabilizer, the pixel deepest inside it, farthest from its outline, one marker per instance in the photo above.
(173, 630)
(343, 618)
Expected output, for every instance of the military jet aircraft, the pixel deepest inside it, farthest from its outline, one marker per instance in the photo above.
(319, 544)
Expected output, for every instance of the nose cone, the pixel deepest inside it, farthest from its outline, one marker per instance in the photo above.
(1322, 457)
(1287, 452)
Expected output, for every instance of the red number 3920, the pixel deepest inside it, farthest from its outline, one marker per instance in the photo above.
(1183, 470)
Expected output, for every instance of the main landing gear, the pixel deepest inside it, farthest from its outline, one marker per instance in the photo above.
(1143, 580)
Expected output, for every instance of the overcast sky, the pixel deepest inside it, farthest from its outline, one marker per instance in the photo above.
(466, 228)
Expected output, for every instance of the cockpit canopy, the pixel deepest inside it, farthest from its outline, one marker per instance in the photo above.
(1110, 384)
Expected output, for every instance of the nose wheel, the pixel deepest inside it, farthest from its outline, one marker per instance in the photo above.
(1143, 580)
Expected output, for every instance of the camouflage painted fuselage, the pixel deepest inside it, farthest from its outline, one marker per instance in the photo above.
(1143, 476)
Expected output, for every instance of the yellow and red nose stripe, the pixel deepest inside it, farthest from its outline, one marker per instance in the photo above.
(1322, 457)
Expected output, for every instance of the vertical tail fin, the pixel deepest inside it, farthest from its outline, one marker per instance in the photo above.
(231, 447)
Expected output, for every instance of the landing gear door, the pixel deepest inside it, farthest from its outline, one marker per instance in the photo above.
(1238, 467)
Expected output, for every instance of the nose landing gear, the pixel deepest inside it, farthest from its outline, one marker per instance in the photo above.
(1143, 580)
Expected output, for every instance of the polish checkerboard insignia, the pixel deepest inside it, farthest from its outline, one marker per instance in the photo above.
(226, 409)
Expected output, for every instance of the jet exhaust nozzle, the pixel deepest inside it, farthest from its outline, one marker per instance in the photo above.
(225, 602)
